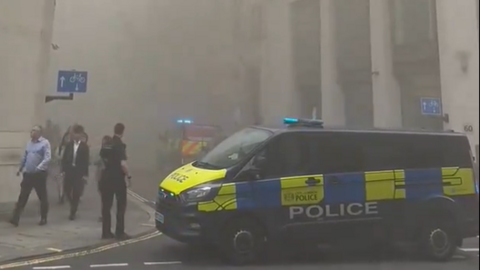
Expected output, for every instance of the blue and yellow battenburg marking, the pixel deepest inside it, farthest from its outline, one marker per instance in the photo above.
(226, 199)
(411, 185)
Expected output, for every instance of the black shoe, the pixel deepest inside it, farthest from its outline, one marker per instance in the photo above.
(72, 217)
(108, 236)
(42, 222)
(122, 236)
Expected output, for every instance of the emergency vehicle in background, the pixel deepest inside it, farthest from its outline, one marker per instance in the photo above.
(195, 139)
(187, 141)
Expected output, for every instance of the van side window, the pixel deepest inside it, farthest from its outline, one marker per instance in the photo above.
(435, 151)
(306, 153)
(455, 152)
(334, 153)
(413, 151)
(384, 151)
(286, 155)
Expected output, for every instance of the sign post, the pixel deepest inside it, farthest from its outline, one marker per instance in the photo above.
(431, 106)
(72, 81)
(69, 82)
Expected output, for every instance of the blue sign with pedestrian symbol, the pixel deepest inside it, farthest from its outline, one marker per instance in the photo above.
(71, 81)
(431, 106)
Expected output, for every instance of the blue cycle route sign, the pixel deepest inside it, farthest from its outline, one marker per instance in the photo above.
(431, 106)
(71, 81)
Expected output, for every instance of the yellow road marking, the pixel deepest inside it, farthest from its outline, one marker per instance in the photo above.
(79, 253)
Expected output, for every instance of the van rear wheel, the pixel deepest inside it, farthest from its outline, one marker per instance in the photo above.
(243, 241)
(439, 240)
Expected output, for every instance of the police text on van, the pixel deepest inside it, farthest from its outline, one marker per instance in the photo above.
(317, 211)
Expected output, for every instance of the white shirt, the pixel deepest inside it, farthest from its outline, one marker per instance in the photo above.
(75, 149)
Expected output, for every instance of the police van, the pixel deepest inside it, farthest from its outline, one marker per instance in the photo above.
(304, 184)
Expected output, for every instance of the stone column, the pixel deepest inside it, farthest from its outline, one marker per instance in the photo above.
(25, 34)
(277, 95)
(333, 100)
(387, 105)
(458, 49)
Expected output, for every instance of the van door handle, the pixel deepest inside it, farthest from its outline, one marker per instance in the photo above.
(312, 181)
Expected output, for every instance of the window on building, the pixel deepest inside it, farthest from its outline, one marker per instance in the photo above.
(414, 21)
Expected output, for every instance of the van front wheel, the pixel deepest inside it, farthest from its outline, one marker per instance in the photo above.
(439, 240)
(243, 241)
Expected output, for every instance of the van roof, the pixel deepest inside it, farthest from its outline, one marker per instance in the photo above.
(359, 130)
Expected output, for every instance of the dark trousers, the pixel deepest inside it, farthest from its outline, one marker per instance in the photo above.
(73, 188)
(37, 181)
(111, 187)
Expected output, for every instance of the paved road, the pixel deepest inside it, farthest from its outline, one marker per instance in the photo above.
(163, 253)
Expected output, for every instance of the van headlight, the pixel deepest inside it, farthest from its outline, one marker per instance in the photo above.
(196, 194)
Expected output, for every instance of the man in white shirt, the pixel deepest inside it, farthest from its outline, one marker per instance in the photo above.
(75, 163)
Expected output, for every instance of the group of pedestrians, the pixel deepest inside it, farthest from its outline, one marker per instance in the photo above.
(113, 176)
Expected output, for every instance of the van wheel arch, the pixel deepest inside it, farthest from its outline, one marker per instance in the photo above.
(439, 209)
(244, 216)
(251, 223)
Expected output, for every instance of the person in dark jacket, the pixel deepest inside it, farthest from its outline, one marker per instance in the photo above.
(100, 165)
(113, 183)
(75, 163)
(84, 140)
(67, 137)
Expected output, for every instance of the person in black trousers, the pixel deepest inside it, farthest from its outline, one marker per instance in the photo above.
(66, 139)
(113, 183)
(100, 167)
(34, 169)
(75, 163)
(84, 140)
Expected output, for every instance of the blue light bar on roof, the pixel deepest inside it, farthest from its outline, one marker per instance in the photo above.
(184, 121)
(303, 122)
(289, 121)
